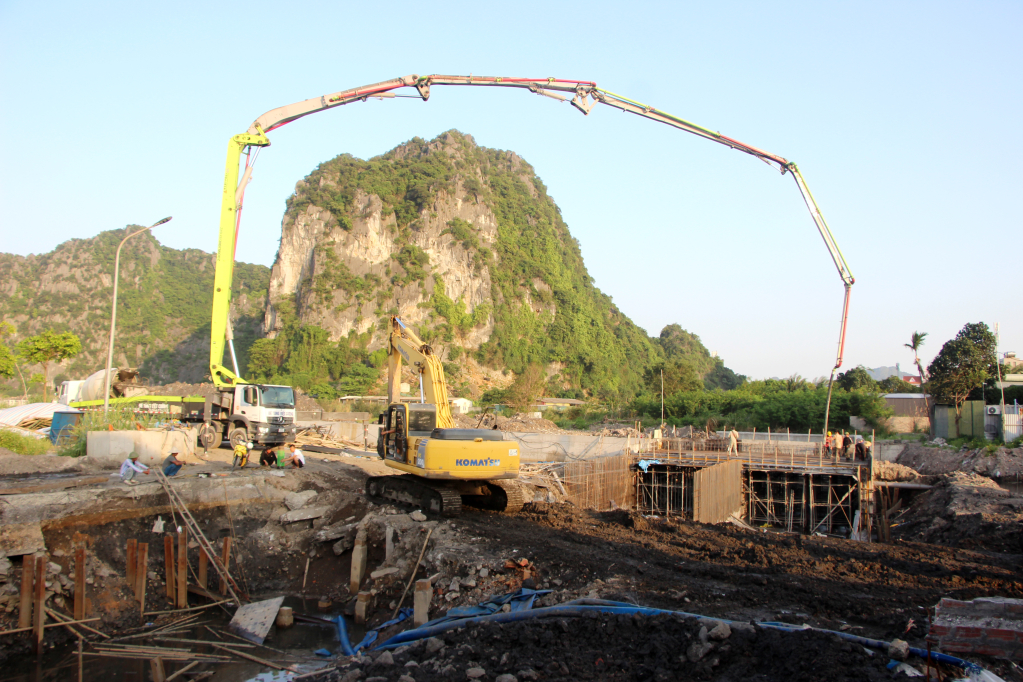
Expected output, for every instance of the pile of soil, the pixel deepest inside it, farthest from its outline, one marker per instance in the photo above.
(930, 460)
(965, 510)
(620, 647)
(519, 423)
(725, 571)
(892, 471)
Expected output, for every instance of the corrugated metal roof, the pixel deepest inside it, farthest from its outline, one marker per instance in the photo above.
(13, 416)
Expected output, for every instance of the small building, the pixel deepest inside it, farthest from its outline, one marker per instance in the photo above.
(460, 405)
(912, 412)
(558, 403)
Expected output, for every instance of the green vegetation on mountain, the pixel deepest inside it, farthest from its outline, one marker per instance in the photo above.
(545, 308)
(163, 304)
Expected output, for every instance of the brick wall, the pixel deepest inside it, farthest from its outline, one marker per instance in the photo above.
(989, 626)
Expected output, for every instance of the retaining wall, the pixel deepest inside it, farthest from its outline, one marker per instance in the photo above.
(110, 448)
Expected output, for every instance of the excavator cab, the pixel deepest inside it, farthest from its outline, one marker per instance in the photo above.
(401, 424)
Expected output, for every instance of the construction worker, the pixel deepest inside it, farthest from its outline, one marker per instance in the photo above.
(733, 441)
(268, 458)
(241, 454)
(846, 442)
(827, 445)
(297, 458)
(171, 464)
(130, 466)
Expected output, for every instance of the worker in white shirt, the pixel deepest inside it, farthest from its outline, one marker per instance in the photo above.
(129, 468)
(296, 459)
(733, 441)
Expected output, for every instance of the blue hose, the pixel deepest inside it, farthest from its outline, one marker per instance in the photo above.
(580, 607)
(342, 636)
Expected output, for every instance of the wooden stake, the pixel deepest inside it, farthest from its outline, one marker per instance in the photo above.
(168, 556)
(129, 572)
(226, 560)
(81, 661)
(40, 614)
(28, 566)
(182, 569)
(80, 582)
(159, 672)
(204, 562)
(140, 574)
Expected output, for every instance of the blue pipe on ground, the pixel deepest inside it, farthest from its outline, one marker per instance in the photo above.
(580, 607)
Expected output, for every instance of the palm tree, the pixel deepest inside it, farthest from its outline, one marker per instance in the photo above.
(914, 345)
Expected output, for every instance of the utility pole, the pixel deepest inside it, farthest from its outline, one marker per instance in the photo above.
(113, 312)
(662, 398)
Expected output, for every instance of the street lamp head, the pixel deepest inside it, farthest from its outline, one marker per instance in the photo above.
(167, 219)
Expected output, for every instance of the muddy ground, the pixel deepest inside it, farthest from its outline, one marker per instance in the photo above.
(724, 571)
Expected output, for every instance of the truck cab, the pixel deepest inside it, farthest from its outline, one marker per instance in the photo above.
(260, 413)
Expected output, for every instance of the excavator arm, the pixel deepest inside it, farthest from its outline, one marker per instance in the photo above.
(583, 95)
(404, 344)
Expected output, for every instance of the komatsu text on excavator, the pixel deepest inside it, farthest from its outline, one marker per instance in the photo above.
(443, 465)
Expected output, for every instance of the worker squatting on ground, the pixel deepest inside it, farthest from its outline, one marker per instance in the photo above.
(171, 464)
(129, 468)
(297, 458)
(268, 458)
(733, 441)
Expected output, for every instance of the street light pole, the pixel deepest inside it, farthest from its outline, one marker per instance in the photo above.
(113, 311)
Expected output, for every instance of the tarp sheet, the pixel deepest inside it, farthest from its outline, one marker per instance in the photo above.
(12, 416)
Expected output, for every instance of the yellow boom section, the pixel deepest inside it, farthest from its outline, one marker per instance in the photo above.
(404, 344)
(224, 276)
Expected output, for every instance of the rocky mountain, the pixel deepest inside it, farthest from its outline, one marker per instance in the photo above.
(164, 302)
(461, 241)
(465, 244)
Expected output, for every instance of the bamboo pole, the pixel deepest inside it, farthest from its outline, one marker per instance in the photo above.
(76, 621)
(250, 657)
(226, 560)
(193, 608)
(47, 625)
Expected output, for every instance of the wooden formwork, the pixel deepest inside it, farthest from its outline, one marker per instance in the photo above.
(602, 483)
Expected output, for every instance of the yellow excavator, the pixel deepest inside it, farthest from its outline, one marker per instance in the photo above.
(443, 466)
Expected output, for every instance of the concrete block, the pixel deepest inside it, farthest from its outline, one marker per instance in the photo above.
(421, 602)
(358, 562)
(389, 544)
(295, 501)
(362, 606)
(305, 514)
(285, 617)
(383, 573)
(109, 448)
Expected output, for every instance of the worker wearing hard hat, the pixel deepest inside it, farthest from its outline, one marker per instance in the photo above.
(241, 454)
(827, 445)
(129, 468)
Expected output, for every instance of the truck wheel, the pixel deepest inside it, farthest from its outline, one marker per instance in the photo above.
(210, 437)
(238, 436)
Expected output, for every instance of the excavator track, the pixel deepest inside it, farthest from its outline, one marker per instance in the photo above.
(409, 490)
(505, 496)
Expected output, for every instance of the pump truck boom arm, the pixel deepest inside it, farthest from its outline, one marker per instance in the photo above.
(583, 95)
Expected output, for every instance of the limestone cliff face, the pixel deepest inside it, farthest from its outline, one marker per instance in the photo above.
(465, 244)
(314, 244)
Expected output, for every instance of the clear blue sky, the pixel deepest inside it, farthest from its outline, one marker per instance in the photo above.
(904, 117)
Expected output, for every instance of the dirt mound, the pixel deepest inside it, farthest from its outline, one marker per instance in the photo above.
(892, 471)
(965, 510)
(625, 647)
(930, 460)
(519, 423)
